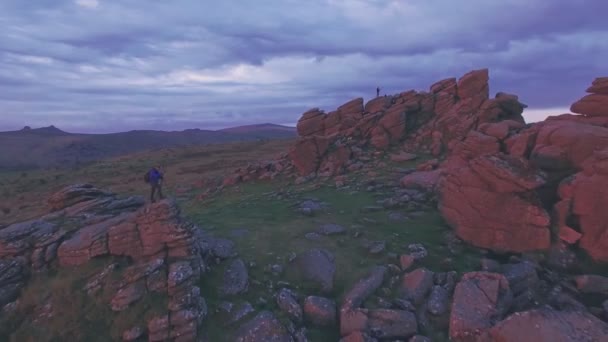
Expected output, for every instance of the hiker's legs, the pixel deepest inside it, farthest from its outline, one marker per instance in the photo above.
(152, 191)
(160, 191)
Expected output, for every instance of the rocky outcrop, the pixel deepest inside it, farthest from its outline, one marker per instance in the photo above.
(596, 103)
(474, 201)
(582, 206)
(165, 255)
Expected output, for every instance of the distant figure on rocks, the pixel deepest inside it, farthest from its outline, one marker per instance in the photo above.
(377, 91)
(154, 177)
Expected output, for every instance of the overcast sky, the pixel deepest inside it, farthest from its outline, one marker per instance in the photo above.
(116, 65)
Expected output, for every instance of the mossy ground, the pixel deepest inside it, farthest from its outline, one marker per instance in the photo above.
(267, 230)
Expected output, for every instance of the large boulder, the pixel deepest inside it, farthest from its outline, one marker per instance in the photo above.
(491, 203)
(585, 198)
(566, 144)
(591, 105)
(549, 325)
(311, 123)
(480, 300)
(307, 152)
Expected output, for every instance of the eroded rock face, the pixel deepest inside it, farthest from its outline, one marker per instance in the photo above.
(480, 300)
(165, 255)
(584, 197)
(474, 198)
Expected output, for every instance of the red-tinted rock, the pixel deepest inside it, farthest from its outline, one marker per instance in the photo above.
(416, 285)
(320, 311)
(480, 298)
(422, 180)
(599, 86)
(311, 123)
(353, 107)
(474, 201)
(550, 325)
(403, 157)
(569, 235)
(474, 85)
(567, 142)
(589, 200)
(378, 104)
(447, 85)
(591, 105)
(391, 324)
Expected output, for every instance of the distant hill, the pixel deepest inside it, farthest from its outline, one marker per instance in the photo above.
(51, 147)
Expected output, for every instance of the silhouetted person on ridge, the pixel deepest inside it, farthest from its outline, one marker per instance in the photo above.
(377, 91)
(154, 177)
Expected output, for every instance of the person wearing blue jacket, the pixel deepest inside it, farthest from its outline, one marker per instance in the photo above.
(155, 177)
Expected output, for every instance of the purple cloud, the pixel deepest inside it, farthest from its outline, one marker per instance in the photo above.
(108, 65)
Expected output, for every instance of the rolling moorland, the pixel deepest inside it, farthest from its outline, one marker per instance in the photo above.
(46, 147)
(422, 216)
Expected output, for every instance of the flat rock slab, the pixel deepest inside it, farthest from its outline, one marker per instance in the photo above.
(264, 327)
(316, 266)
(236, 278)
(320, 311)
(550, 325)
(331, 229)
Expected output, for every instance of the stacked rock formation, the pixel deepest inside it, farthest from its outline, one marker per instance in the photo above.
(511, 187)
(165, 255)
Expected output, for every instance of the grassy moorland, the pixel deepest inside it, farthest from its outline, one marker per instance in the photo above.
(23, 194)
(260, 217)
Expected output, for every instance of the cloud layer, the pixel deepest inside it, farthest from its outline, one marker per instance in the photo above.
(109, 65)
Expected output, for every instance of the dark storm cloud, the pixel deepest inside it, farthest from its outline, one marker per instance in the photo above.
(113, 65)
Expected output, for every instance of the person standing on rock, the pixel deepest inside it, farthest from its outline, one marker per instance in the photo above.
(377, 91)
(154, 177)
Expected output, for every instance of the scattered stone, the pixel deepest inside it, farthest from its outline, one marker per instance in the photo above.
(391, 324)
(236, 278)
(358, 336)
(288, 304)
(331, 229)
(377, 247)
(417, 251)
(404, 304)
(489, 265)
(406, 261)
(416, 285)
(133, 333)
(223, 248)
(313, 236)
(363, 288)
(320, 311)
(397, 217)
(419, 338)
(264, 327)
(439, 301)
(316, 266)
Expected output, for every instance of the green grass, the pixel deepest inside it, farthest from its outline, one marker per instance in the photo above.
(276, 230)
